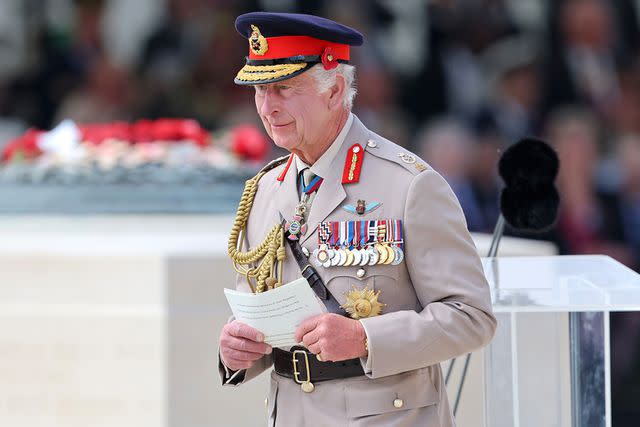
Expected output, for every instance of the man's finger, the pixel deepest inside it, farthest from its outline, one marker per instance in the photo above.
(242, 344)
(315, 348)
(311, 338)
(242, 330)
(244, 356)
(307, 326)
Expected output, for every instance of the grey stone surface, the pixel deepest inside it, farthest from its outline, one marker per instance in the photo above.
(149, 188)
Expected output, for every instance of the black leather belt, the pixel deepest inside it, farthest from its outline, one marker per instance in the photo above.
(303, 367)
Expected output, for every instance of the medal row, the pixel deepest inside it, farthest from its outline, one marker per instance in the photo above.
(359, 243)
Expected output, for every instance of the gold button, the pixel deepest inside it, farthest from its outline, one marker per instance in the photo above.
(360, 273)
(266, 401)
(307, 387)
(398, 403)
(305, 251)
(372, 144)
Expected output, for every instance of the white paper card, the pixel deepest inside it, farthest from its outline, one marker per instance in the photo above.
(278, 312)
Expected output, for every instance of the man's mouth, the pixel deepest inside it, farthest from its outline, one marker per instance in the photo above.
(277, 126)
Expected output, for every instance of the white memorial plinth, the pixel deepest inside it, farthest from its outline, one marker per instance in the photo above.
(114, 321)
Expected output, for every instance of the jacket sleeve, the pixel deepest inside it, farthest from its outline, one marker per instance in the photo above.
(234, 378)
(446, 272)
(231, 378)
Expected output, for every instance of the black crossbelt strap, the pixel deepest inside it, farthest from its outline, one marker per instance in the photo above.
(316, 283)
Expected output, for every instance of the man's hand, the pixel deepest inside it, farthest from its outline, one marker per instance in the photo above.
(333, 337)
(241, 345)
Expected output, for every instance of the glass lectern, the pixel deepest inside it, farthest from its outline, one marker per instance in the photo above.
(549, 363)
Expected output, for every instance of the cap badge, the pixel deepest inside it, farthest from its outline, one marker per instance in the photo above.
(257, 43)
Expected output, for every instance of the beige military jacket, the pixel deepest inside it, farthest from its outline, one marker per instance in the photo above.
(437, 300)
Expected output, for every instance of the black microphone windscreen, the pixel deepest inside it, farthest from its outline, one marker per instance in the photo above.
(529, 162)
(530, 201)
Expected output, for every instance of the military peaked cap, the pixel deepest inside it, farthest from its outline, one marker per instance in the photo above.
(283, 45)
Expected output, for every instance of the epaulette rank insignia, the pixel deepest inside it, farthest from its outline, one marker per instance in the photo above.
(410, 161)
(353, 164)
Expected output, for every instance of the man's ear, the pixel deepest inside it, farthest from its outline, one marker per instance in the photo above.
(337, 92)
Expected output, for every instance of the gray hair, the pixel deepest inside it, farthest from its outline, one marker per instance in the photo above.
(325, 79)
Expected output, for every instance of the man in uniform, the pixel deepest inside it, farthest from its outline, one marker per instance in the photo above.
(378, 234)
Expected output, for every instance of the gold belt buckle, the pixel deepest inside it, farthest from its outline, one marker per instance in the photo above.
(306, 386)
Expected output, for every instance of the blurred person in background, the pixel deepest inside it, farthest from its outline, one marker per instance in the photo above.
(467, 159)
(584, 53)
(622, 213)
(483, 172)
(514, 83)
(450, 149)
(450, 78)
(376, 106)
(626, 111)
(621, 217)
(60, 53)
(171, 64)
(107, 95)
(582, 226)
(215, 99)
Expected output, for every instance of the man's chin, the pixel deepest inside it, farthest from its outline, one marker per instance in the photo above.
(284, 143)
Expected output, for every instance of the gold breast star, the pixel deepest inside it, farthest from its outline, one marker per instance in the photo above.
(362, 303)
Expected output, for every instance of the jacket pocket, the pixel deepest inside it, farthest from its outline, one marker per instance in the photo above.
(367, 275)
(341, 280)
(409, 390)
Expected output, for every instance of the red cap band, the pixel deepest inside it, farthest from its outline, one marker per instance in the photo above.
(288, 46)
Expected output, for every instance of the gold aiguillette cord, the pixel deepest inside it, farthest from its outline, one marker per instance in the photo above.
(261, 266)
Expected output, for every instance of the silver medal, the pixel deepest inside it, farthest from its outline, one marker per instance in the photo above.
(357, 257)
(335, 258)
(399, 255)
(373, 255)
(364, 257)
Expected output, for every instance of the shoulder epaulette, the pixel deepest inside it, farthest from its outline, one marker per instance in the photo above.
(387, 150)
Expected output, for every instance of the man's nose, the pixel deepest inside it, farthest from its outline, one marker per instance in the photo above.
(270, 104)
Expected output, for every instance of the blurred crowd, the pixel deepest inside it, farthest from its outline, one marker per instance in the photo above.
(457, 81)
